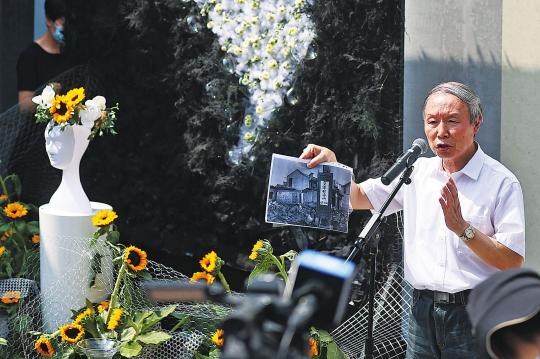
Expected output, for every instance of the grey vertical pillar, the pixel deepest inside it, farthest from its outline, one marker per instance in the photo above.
(16, 32)
(448, 40)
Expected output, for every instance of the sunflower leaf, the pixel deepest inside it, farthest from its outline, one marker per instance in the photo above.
(128, 334)
(4, 227)
(113, 236)
(153, 337)
(261, 267)
(67, 353)
(214, 354)
(3, 341)
(130, 349)
(33, 227)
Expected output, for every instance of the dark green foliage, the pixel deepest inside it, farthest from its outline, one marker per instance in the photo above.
(166, 172)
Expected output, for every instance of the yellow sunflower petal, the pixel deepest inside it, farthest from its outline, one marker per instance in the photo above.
(11, 297)
(135, 258)
(44, 347)
(254, 251)
(71, 333)
(198, 276)
(208, 263)
(217, 338)
(15, 210)
(104, 218)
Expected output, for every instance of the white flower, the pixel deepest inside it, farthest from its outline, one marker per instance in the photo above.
(46, 97)
(92, 111)
(100, 101)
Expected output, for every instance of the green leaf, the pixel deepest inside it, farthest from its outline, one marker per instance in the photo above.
(4, 227)
(67, 353)
(153, 337)
(113, 236)
(261, 267)
(130, 349)
(333, 352)
(150, 321)
(20, 226)
(33, 226)
(145, 275)
(128, 334)
(214, 354)
(290, 255)
(200, 356)
(32, 208)
(325, 337)
(3, 341)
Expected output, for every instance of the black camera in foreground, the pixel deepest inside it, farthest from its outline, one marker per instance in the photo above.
(269, 322)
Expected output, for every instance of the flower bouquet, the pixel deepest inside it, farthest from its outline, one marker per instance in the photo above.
(68, 109)
(113, 325)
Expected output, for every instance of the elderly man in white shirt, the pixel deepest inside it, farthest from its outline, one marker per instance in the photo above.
(463, 218)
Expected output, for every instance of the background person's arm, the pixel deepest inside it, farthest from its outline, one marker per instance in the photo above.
(25, 101)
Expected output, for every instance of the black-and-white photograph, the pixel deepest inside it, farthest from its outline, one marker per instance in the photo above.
(309, 197)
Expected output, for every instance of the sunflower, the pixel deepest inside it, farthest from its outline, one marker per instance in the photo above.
(217, 338)
(15, 210)
(2, 250)
(11, 297)
(197, 276)
(36, 238)
(135, 258)
(114, 321)
(313, 348)
(44, 347)
(256, 247)
(104, 218)
(75, 96)
(61, 109)
(84, 314)
(208, 263)
(7, 234)
(3, 197)
(71, 333)
(103, 306)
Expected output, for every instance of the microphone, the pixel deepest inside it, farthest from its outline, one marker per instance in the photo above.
(419, 147)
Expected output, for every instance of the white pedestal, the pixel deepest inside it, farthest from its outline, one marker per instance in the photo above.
(65, 264)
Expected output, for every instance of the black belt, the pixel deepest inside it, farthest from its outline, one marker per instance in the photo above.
(443, 297)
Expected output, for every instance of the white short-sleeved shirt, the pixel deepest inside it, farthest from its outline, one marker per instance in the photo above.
(434, 257)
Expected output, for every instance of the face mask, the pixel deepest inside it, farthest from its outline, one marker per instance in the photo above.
(58, 34)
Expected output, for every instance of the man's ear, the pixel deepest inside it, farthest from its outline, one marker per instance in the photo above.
(477, 124)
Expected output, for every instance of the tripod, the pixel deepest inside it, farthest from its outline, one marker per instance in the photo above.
(369, 232)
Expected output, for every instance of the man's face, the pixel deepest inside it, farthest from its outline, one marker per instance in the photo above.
(448, 128)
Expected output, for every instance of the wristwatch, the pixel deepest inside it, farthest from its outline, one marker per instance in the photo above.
(468, 234)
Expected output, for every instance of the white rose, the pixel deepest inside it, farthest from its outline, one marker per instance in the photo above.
(100, 101)
(91, 112)
(46, 97)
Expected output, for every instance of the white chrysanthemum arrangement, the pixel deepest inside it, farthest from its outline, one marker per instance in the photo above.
(264, 42)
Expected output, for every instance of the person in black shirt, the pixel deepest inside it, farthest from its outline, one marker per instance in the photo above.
(43, 59)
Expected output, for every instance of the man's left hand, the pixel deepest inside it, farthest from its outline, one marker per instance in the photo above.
(449, 201)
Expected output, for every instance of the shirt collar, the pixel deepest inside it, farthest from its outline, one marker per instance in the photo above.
(473, 167)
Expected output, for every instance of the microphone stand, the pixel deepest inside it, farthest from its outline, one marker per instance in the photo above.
(364, 237)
